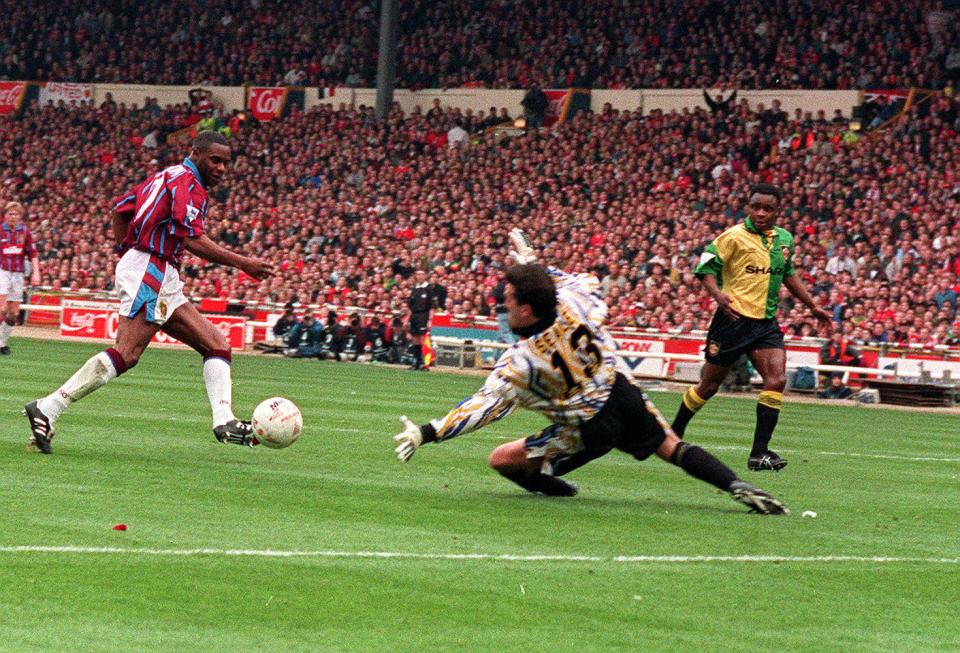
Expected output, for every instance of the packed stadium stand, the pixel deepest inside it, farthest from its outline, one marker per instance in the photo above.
(490, 43)
(351, 206)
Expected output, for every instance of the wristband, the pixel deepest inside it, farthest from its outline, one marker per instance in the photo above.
(428, 433)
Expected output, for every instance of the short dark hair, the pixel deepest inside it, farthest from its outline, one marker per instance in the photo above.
(533, 285)
(766, 189)
(208, 137)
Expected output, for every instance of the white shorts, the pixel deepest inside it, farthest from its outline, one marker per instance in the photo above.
(11, 285)
(147, 282)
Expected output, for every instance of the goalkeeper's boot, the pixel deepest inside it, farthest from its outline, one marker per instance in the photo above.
(41, 428)
(765, 461)
(540, 483)
(236, 431)
(558, 487)
(756, 499)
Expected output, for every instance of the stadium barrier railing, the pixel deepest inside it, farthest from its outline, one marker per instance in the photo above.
(477, 353)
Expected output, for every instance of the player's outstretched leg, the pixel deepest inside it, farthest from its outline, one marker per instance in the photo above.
(756, 499)
(95, 373)
(701, 464)
(510, 460)
(41, 428)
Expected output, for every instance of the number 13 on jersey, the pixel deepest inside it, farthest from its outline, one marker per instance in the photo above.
(577, 358)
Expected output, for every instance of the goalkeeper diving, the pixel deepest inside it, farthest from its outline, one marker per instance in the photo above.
(565, 366)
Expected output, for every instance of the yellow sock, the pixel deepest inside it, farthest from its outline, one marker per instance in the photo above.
(692, 400)
(771, 399)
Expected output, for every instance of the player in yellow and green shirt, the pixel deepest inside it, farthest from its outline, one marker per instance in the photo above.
(743, 270)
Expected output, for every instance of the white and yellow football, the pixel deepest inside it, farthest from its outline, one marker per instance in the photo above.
(277, 422)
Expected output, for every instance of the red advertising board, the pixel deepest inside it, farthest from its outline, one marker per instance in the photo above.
(98, 321)
(40, 317)
(11, 95)
(266, 102)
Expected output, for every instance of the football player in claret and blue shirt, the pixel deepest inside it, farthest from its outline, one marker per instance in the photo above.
(16, 246)
(154, 223)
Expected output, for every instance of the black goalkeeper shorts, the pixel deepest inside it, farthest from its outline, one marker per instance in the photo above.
(728, 339)
(628, 422)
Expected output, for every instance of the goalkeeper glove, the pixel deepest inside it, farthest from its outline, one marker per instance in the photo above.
(409, 439)
(522, 251)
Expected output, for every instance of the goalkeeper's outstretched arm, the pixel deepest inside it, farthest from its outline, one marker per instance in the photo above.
(484, 407)
(523, 253)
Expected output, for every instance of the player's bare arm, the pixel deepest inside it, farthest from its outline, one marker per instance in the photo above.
(709, 282)
(208, 250)
(35, 275)
(121, 224)
(798, 290)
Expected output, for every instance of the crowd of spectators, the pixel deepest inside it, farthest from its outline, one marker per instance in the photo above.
(491, 43)
(349, 208)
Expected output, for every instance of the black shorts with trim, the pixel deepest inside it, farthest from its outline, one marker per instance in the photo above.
(625, 422)
(728, 339)
(418, 323)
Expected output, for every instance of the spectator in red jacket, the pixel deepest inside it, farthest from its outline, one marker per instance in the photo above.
(839, 350)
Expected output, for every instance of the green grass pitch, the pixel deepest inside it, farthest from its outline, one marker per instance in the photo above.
(333, 545)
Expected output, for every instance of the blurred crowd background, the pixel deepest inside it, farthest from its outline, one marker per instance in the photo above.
(350, 208)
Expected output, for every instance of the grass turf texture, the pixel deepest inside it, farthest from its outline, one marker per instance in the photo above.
(141, 452)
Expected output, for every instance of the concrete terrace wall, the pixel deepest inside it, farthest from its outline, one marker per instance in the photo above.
(235, 98)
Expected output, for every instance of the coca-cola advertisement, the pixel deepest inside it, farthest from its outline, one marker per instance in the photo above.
(266, 102)
(11, 95)
(99, 321)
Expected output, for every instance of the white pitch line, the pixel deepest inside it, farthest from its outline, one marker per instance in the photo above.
(504, 557)
(884, 456)
(874, 456)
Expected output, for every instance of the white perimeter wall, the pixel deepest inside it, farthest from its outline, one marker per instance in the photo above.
(233, 97)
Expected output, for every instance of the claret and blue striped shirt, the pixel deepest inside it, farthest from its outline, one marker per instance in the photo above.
(16, 245)
(168, 207)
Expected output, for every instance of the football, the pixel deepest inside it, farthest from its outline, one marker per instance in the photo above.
(277, 422)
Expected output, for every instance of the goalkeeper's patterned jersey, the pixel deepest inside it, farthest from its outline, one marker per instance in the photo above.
(565, 372)
(750, 267)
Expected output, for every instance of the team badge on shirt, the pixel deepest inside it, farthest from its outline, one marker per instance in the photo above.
(785, 252)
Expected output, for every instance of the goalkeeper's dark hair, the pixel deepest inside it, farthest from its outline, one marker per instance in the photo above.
(533, 285)
(766, 189)
(208, 137)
